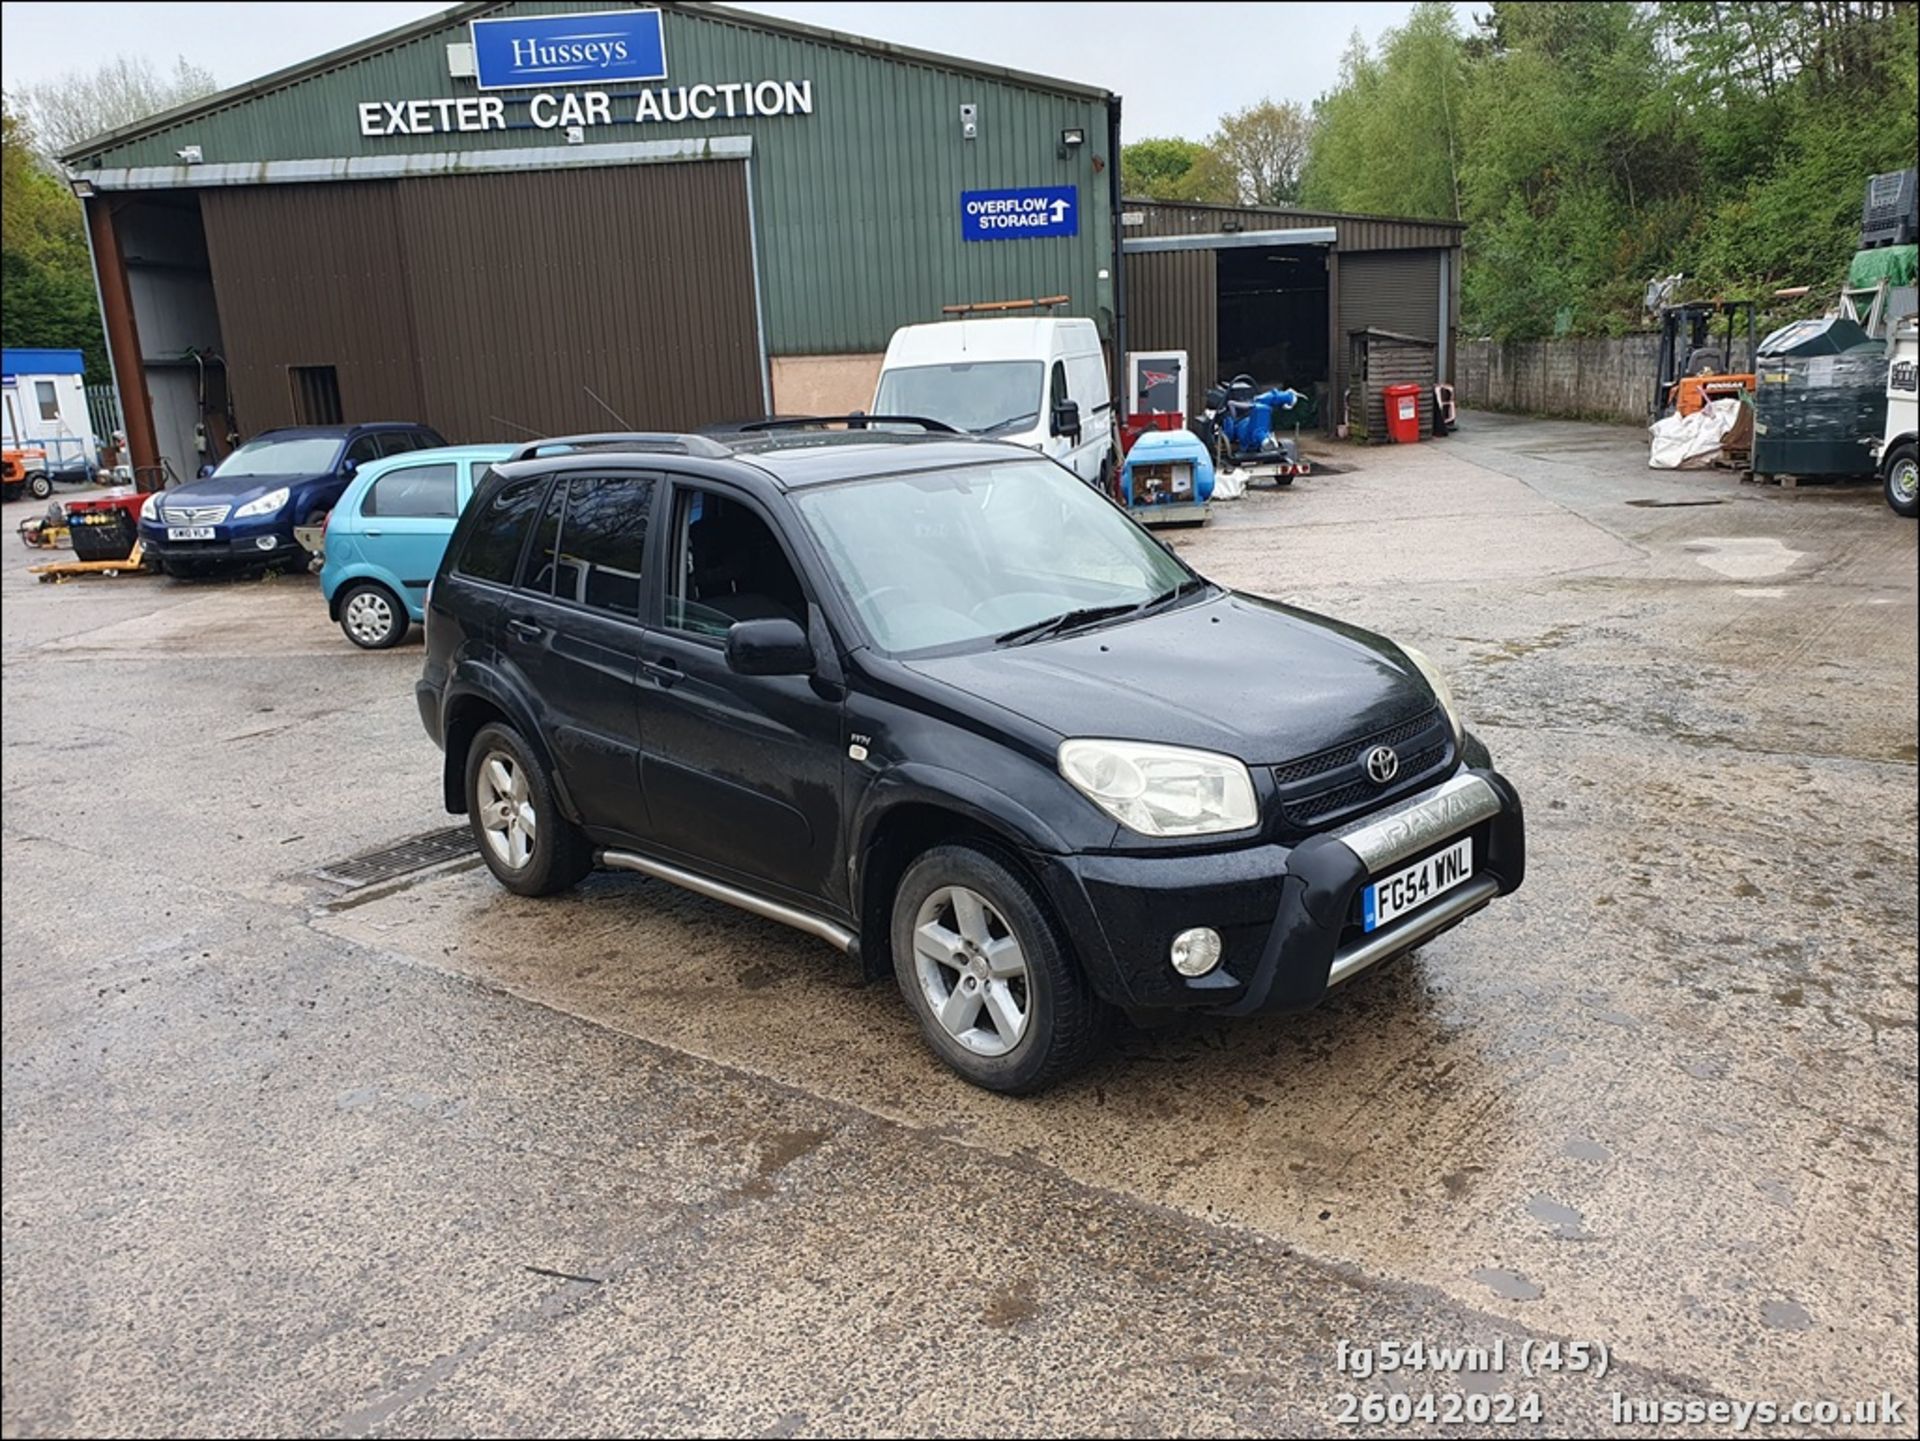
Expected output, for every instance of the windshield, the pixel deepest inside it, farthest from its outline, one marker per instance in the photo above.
(281, 455)
(992, 395)
(950, 557)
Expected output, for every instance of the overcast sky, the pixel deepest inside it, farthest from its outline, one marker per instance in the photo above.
(1179, 67)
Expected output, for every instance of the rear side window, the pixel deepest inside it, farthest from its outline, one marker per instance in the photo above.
(592, 541)
(397, 442)
(415, 490)
(493, 545)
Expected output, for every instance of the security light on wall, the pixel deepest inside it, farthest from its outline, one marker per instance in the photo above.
(189, 154)
(969, 122)
(82, 189)
(1071, 140)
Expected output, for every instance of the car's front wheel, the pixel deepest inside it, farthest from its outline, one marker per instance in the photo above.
(373, 617)
(986, 970)
(531, 848)
(1903, 480)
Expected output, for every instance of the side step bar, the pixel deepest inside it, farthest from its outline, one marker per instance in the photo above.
(826, 930)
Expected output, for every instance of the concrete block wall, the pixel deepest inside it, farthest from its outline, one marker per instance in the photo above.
(1584, 377)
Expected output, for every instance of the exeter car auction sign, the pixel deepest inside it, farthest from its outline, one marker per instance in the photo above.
(544, 53)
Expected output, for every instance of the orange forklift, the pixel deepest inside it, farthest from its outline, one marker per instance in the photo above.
(1692, 369)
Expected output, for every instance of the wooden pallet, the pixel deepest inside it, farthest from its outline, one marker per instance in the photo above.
(59, 570)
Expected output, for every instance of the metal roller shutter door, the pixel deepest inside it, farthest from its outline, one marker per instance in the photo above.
(1395, 290)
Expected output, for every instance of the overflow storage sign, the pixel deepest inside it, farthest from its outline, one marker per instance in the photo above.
(1032, 214)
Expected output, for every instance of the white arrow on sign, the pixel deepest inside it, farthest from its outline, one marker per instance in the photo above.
(1059, 211)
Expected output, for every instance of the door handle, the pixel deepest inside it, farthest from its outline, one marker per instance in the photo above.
(525, 629)
(372, 532)
(664, 671)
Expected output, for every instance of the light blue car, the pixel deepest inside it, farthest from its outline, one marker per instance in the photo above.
(385, 538)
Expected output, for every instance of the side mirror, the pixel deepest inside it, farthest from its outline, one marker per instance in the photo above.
(203, 472)
(349, 466)
(1066, 418)
(768, 647)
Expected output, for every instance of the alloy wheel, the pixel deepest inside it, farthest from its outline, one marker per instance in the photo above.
(506, 810)
(972, 971)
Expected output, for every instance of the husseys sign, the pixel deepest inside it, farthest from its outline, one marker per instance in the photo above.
(597, 48)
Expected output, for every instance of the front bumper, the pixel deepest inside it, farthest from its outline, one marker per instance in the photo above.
(1289, 917)
(231, 545)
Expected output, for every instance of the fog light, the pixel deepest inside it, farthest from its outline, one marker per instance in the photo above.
(265, 542)
(1195, 952)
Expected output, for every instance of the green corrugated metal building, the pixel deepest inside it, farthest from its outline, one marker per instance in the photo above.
(379, 231)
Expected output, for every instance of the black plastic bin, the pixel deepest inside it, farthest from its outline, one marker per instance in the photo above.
(101, 534)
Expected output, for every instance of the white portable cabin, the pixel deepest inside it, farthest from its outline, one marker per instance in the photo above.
(45, 404)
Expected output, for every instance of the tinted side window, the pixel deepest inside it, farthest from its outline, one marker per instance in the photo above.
(726, 567)
(364, 449)
(415, 490)
(493, 546)
(542, 560)
(398, 442)
(604, 542)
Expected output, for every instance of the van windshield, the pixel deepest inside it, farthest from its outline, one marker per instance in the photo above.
(986, 554)
(986, 397)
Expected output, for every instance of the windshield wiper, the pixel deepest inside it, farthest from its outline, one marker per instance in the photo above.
(1003, 424)
(1188, 586)
(1067, 620)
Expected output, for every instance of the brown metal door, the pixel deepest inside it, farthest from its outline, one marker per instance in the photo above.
(490, 306)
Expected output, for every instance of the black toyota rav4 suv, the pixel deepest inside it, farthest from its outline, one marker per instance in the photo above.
(938, 702)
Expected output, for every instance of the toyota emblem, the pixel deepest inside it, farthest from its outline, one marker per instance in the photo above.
(1382, 764)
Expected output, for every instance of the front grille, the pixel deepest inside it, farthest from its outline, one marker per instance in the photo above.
(1333, 784)
(1309, 766)
(195, 514)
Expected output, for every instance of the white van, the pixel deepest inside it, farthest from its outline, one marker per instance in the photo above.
(1036, 382)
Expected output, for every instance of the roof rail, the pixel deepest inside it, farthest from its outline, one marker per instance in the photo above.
(665, 442)
(855, 421)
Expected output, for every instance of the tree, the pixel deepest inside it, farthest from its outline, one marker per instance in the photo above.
(1265, 145)
(1385, 138)
(46, 279)
(62, 111)
(1177, 170)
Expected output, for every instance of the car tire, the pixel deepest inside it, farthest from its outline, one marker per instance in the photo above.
(1003, 1001)
(1902, 480)
(373, 617)
(39, 485)
(531, 848)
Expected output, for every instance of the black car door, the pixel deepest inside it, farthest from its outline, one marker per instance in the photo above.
(742, 773)
(573, 632)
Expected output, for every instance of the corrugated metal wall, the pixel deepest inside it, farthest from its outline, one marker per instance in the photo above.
(1353, 232)
(1173, 304)
(857, 204)
(483, 303)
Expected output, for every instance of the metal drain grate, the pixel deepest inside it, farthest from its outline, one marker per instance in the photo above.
(414, 854)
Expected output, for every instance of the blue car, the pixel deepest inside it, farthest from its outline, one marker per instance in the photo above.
(386, 536)
(243, 515)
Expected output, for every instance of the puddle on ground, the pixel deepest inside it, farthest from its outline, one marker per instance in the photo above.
(1564, 1221)
(1745, 557)
(1585, 1148)
(1507, 1285)
(1786, 1316)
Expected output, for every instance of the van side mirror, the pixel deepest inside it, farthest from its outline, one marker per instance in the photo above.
(1066, 418)
(768, 647)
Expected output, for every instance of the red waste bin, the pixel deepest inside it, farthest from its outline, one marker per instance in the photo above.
(1403, 412)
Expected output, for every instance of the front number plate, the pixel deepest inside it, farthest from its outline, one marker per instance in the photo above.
(189, 532)
(1419, 883)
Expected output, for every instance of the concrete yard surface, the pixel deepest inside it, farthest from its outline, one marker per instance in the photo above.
(428, 1157)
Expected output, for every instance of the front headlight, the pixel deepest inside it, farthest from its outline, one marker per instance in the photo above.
(1441, 690)
(267, 504)
(1161, 790)
(150, 507)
